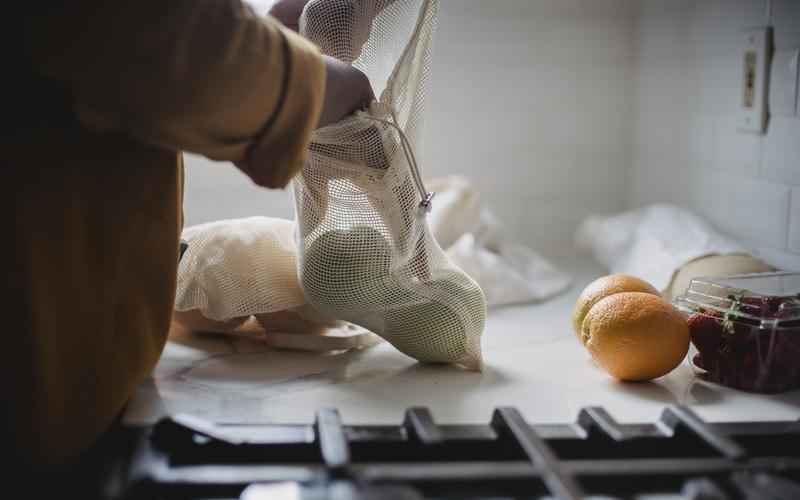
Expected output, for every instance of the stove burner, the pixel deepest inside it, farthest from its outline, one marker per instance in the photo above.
(678, 457)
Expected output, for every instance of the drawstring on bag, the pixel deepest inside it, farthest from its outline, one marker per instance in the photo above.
(426, 197)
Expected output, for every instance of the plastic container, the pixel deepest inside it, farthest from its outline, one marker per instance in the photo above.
(745, 330)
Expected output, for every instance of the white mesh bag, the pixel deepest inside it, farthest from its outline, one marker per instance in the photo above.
(233, 269)
(365, 252)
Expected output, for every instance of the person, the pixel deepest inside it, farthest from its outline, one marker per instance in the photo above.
(102, 98)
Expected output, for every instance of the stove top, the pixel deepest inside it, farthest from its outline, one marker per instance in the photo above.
(677, 457)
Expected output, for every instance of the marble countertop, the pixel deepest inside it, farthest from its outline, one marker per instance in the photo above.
(532, 361)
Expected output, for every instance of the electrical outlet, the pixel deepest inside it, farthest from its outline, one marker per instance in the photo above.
(754, 56)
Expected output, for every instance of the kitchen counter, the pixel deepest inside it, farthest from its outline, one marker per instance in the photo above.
(532, 361)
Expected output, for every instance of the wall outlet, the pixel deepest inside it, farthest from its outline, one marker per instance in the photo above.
(754, 56)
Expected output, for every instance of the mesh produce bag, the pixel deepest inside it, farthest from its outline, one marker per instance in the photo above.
(233, 269)
(365, 251)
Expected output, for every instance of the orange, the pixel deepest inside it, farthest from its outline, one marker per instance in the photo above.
(602, 288)
(635, 336)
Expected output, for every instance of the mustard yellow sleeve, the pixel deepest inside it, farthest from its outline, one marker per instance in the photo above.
(206, 76)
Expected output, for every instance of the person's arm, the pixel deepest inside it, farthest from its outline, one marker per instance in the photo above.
(206, 76)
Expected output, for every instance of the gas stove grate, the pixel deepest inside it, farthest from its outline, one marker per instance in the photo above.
(679, 456)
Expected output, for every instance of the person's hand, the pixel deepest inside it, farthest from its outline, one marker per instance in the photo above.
(346, 90)
(288, 12)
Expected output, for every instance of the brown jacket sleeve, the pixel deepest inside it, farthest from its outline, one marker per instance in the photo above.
(206, 76)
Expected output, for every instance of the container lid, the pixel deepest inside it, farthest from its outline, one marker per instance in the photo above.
(766, 299)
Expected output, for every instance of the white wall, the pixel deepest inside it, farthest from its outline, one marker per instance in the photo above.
(686, 147)
(529, 98)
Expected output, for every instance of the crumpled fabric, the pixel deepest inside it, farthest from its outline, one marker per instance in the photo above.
(652, 242)
(474, 239)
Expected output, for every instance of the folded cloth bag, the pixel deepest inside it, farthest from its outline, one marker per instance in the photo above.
(665, 245)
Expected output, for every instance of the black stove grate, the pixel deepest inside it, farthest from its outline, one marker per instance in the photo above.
(679, 456)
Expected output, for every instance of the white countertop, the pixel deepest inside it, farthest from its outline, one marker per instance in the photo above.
(532, 361)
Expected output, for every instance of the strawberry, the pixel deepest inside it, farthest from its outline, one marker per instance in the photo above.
(784, 364)
(790, 341)
(752, 305)
(706, 335)
(750, 372)
(739, 352)
(697, 360)
(766, 307)
(724, 370)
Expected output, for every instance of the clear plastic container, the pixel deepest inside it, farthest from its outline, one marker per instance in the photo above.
(745, 330)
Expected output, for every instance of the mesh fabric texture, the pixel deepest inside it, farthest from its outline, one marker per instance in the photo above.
(237, 268)
(365, 252)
